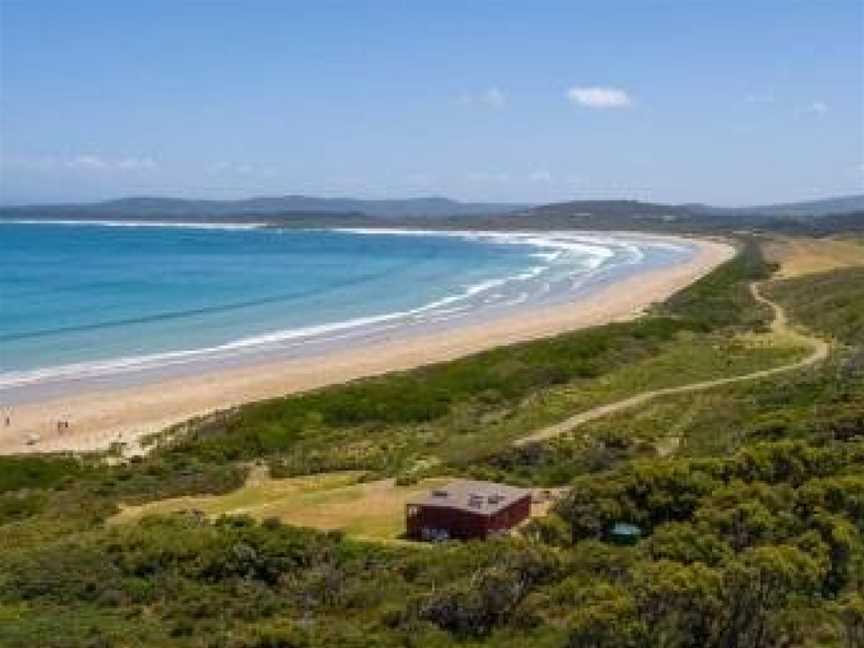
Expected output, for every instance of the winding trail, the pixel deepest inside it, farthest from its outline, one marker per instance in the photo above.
(779, 325)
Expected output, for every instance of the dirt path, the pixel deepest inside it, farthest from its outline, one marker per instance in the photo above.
(779, 326)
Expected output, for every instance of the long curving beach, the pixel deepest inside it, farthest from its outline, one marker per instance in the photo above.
(103, 414)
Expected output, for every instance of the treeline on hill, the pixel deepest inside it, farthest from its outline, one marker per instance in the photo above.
(758, 548)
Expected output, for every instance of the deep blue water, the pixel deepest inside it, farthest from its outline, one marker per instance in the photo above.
(90, 299)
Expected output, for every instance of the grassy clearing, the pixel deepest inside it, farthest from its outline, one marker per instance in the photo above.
(328, 501)
(802, 256)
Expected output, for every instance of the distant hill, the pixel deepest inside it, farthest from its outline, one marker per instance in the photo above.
(803, 218)
(630, 210)
(175, 208)
(615, 215)
(848, 222)
(805, 209)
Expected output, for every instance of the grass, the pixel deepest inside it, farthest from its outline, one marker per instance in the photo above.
(328, 501)
(803, 256)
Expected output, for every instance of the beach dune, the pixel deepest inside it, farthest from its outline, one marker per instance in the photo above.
(100, 417)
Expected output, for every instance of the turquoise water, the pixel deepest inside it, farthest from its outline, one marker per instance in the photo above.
(87, 300)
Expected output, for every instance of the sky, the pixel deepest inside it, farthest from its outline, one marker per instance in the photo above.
(728, 102)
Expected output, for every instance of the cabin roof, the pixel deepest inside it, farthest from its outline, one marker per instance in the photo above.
(482, 497)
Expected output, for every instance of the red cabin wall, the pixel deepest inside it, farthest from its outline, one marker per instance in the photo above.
(510, 516)
(465, 525)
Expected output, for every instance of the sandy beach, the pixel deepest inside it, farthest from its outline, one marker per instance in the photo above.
(105, 416)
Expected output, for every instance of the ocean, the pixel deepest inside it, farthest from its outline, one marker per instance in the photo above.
(90, 302)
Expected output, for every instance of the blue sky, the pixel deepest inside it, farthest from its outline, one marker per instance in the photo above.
(724, 102)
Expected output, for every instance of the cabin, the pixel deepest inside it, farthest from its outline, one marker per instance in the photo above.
(466, 509)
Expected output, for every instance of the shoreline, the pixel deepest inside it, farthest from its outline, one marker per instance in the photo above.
(103, 416)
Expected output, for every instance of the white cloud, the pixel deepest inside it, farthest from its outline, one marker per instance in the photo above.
(541, 175)
(599, 97)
